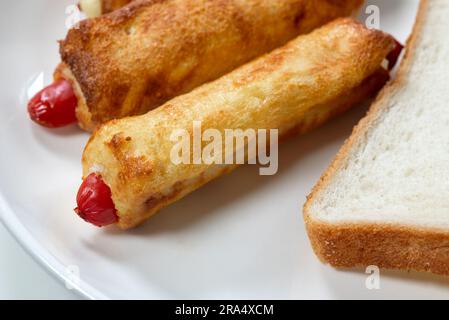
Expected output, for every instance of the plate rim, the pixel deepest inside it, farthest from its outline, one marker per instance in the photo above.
(43, 257)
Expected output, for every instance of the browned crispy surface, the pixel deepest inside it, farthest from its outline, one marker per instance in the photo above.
(293, 89)
(112, 5)
(395, 246)
(136, 58)
(386, 246)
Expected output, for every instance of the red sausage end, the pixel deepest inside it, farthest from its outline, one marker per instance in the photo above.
(54, 106)
(393, 56)
(95, 203)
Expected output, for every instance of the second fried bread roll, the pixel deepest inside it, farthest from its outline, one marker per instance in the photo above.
(138, 57)
(294, 88)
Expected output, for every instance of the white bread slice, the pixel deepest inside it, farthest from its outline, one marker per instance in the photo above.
(384, 200)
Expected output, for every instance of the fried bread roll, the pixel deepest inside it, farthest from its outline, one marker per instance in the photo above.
(95, 8)
(136, 58)
(294, 88)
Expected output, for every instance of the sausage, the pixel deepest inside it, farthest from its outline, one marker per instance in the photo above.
(54, 106)
(95, 203)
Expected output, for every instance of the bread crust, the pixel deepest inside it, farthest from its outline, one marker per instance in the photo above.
(112, 5)
(293, 89)
(137, 58)
(390, 246)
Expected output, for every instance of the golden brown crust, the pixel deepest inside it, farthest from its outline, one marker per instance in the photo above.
(296, 87)
(386, 246)
(321, 114)
(82, 111)
(362, 244)
(136, 58)
(112, 5)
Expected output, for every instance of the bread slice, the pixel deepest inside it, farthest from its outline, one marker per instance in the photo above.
(384, 200)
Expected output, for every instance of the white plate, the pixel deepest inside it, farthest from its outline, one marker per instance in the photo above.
(241, 236)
